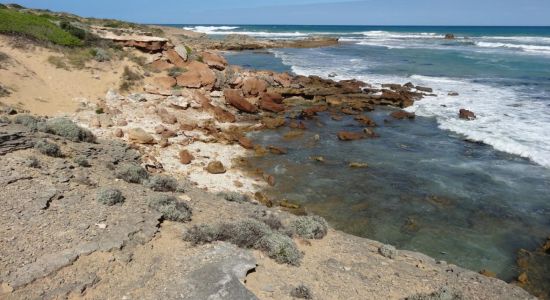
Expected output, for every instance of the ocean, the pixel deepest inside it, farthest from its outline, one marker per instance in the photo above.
(468, 192)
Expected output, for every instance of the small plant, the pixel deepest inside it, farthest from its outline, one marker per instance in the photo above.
(170, 208)
(310, 227)
(82, 161)
(99, 111)
(176, 71)
(188, 50)
(162, 183)
(110, 196)
(234, 197)
(301, 292)
(32, 122)
(100, 55)
(270, 220)
(68, 129)
(32, 162)
(4, 92)
(202, 234)
(132, 173)
(138, 59)
(58, 62)
(281, 248)
(48, 148)
(129, 78)
(75, 31)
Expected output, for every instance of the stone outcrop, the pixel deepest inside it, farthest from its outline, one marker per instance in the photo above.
(214, 60)
(401, 114)
(198, 75)
(466, 115)
(236, 99)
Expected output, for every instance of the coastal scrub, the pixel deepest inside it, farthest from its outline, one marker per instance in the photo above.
(170, 208)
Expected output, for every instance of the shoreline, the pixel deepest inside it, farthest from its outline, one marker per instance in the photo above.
(186, 125)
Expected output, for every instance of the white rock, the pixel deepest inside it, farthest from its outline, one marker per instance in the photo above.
(181, 51)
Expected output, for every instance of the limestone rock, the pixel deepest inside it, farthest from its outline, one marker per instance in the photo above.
(182, 52)
(198, 75)
(401, 114)
(350, 136)
(185, 157)
(165, 83)
(140, 136)
(235, 98)
(466, 115)
(214, 60)
(253, 86)
(215, 167)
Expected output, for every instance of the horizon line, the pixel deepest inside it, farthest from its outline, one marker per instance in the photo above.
(342, 25)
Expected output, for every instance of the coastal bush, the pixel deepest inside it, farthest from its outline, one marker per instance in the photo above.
(32, 162)
(58, 62)
(129, 79)
(68, 129)
(74, 30)
(245, 233)
(269, 219)
(310, 227)
(32, 122)
(444, 293)
(34, 26)
(3, 56)
(234, 197)
(47, 148)
(110, 196)
(202, 234)
(170, 208)
(176, 71)
(2, 6)
(281, 248)
(100, 55)
(82, 161)
(132, 173)
(162, 183)
(301, 292)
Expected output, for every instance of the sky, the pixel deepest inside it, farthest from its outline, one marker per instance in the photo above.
(318, 12)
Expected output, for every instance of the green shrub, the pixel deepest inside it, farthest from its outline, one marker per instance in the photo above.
(162, 183)
(110, 196)
(170, 208)
(2, 6)
(48, 148)
(68, 129)
(270, 220)
(281, 248)
(32, 122)
(188, 50)
(82, 161)
(310, 227)
(32, 162)
(58, 62)
(202, 234)
(301, 292)
(234, 197)
(132, 173)
(100, 55)
(75, 31)
(34, 26)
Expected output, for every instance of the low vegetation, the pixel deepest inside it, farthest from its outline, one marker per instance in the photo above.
(162, 183)
(301, 292)
(68, 129)
(110, 196)
(47, 148)
(176, 71)
(280, 248)
(234, 197)
(32, 122)
(129, 79)
(82, 161)
(132, 173)
(170, 208)
(32, 162)
(310, 227)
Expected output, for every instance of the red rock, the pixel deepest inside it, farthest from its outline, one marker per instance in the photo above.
(349, 111)
(147, 46)
(271, 106)
(164, 83)
(401, 114)
(272, 123)
(253, 86)
(185, 157)
(466, 115)
(370, 133)
(365, 121)
(246, 143)
(283, 79)
(118, 133)
(270, 179)
(214, 60)
(312, 111)
(235, 98)
(350, 136)
(161, 65)
(277, 150)
(175, 58)
(215, 167)
(223, 115)
(273, 97)
(198, 75)
(167, 117)
(297, 125)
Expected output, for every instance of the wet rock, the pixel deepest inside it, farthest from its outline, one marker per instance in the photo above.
(331, 75)
(388, 251)
(271, 106)
(365, 121)
(350, 136)
(287, 204)
(263, 199)
(185, 157)
(198, 75)
(449, 36)
(424, 89)
(454, 94)
(297, 125)
(272, 123)
(466, 115)
(236, 99)
(277, 150)
(358, 165)
(273, 97)
(349, 111)
(214, 60)
(140, 136)
(370, 133)
(246, 143)
(401, 114)
(253, 86)
(488, 273)
(215, 167)
(313, 111)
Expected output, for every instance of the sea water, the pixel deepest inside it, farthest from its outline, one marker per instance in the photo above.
(469, 192)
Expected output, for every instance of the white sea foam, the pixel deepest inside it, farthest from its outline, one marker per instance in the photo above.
(211, 29)
(528, 48)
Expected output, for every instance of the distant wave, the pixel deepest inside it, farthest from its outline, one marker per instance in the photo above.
(527, 48)
(401, 35)
(226, 30)
(211, 29)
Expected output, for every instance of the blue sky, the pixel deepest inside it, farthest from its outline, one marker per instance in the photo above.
(344, 12)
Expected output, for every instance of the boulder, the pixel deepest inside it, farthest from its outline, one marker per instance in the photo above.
(271, 106)
(164, 83)
(246, 143)
(358, 165)
(118, 133)
(454, 94)
(424, 89)
(214, 60)
(350, 136)
(273, 97)
(282, 79)
(185, 157)
(140, 136)
(235, 98)
(449, 36)
(365, 121)
(222, 115)
(401, 114)
(272, 123)
(277, 150)
(181, 51)
(198, 75)
(312, 111)
(161, 65)
(215, 167)
(253, 86)
(175, 58)
(466, 115)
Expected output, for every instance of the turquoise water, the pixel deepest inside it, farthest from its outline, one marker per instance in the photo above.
(471, 193)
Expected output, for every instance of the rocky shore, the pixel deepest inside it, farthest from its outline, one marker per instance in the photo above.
(143, 197)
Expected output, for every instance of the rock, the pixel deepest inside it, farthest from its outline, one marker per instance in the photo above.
(350, 136)
(318, 158)
(358, 165)
(401, 114)
(297, 125)
(370, 133)
(522, 278)
(215, 167)
(165, 83)
(424, 89)
(277, 150)
(178, 102)
(161, 65)
(454, 94)
(185, 157)
(312, 111)
(273, 97)
(140, 136)
(118, 133)
(449, 36)
(466, 115)
(349, 111)
(488, 273)
(283, 79)
(272, 123)
(388, 251)
(409, 85)
(198, 75)
(253, 86)
(235, 98)
(263, 199)
(223, 115)
(392, 86)
(271, 106)
(214, 60)
(182, 52)
(167, 117)
(175, 58)
(365, 121)
(331, 75)
(270, 179)
(287, 204)
(246, 143)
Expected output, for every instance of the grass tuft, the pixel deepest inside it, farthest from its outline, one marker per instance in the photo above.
(162, 183)
(310, 227)
(68, 129)
(132, 173)
(47, 148)
(110, 196)
(170, 208)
